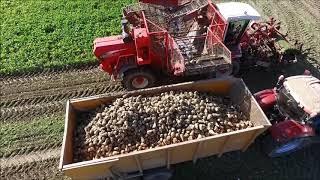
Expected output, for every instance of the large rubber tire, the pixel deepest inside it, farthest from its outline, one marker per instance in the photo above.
(135, 79)
(275, 149)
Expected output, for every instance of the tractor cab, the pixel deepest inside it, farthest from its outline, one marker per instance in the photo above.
(295, 117)
(299, 97)
(238, 16)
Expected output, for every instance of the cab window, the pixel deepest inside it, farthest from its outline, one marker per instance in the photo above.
(289, 106)
(235, 31)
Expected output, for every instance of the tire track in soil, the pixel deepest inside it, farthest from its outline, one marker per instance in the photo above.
(33, 148)
(31, 157)
(29, 97)
(27, 112)
(297, 26)
(312, 7)
(45, 74)
(311, 29)
(63, 79)
(262, 8)
(311, 24)
(37, 169)
(29, 107)
(56, 94)
(43, 96)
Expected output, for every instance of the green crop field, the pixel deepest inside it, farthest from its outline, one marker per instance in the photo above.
(21, 137)
(44, 34)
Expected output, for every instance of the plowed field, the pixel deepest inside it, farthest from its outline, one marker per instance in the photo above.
(32, 109)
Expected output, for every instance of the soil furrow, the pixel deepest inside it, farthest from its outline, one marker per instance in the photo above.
(45, 74)
(28, 112)
(31, 157)
(41, 169)
(309, 33)
(32, 148)
(57, 94)
(47, 105)
(61, 80)
(312, 7)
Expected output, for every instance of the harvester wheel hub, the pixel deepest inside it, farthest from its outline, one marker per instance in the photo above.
(140, 82)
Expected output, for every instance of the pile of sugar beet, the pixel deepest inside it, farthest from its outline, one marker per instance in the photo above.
(142, 122)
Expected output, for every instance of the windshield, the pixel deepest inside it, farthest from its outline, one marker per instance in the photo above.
(289, 107)
(235, 31)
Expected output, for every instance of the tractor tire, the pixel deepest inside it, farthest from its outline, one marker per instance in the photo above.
(135, 79)
(276, 149)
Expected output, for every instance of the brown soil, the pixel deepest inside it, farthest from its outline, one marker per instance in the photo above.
(26, 98)
(37, 169)
(31, 95)
(31, 157)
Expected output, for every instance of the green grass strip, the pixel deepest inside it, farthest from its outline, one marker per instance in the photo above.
(24, 137)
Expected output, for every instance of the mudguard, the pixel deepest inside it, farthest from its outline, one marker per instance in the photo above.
(290, 129)
(287, 137)
(266, 99)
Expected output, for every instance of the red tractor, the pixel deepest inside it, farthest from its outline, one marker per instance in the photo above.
(293, 107)
(182, 38)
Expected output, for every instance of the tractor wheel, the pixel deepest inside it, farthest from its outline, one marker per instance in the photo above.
(138, 79)
(277, 149)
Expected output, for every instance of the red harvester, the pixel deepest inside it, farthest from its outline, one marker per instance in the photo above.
(179, 38)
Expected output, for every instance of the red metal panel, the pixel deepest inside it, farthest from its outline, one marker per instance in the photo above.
(289, 129)
(142, 41)
(218, 23)
(266, 98)
(216, 46)
(176, 61)
(111, 46)
(159, 51)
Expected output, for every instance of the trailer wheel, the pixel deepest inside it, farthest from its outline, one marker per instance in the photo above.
(138, 79)
(276, 149)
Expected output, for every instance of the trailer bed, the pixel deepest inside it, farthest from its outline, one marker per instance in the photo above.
(138, 162)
